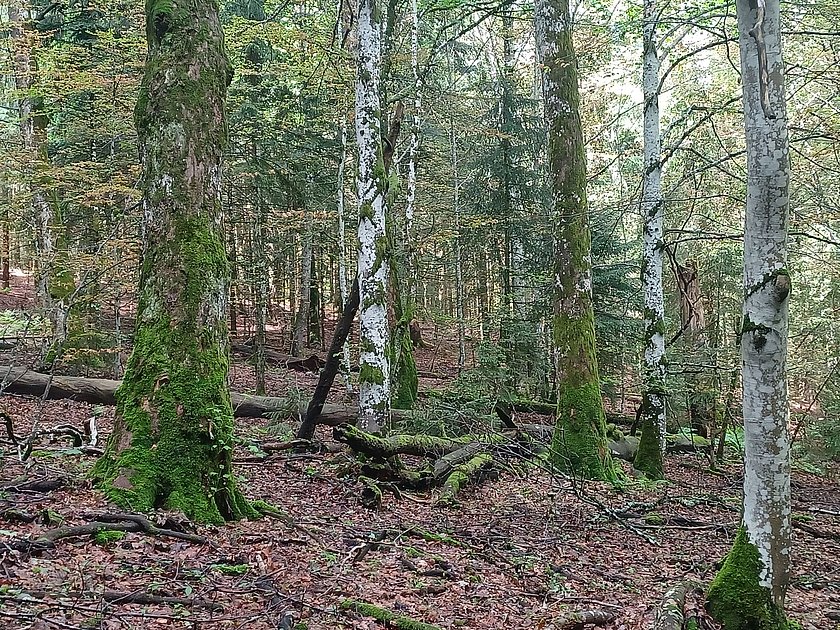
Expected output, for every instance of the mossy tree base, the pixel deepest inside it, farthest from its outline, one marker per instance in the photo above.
(736, 599)
(579, 445)
(649, 457)
(171, 444)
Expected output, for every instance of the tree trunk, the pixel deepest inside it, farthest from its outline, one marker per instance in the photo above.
(749, 591)
(344, 362)
(374, 367)
(33, 128)
(334, 356)
(580, 442)
(649, 458)
(171, 444)
(301, 335)
(260, 275)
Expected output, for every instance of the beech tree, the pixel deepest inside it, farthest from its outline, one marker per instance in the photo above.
(374, 367)
(652, 445)
(171, 444)
(580, 438)
(749, 591)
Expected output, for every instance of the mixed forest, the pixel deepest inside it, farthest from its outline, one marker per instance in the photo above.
(419, 314)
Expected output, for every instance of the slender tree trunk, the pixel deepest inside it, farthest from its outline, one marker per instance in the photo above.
(374, 367)
(171, 444)
(579, 442)
(459, 279)
(301, 336)
(234, 271)
(344, 363)
(413, 147)
(649, 457)
(33, 127)
(260, 275)
(6, 253)
(749, 591)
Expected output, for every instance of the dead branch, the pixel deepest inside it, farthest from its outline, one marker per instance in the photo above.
(118, 597)
(576, 621)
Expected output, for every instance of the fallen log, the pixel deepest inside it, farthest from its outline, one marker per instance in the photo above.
(576, 621)
(671, 614)
(313, 363)
(417, 445)
(23, 381)
(463, 475)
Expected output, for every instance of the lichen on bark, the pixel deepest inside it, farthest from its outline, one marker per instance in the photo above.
(171, 444)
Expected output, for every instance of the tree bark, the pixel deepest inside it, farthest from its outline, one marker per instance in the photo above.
(374, 366)
(652, 412)
(749, 591)
(334, 356)
(171, 444)
(580, 441)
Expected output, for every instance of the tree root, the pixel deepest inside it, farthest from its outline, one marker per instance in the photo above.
(385, 616)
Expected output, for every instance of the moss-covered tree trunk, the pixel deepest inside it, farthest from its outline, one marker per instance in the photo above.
(749, 591)
(171, 445)
(374, 366)
(579, 443)
(649, 457)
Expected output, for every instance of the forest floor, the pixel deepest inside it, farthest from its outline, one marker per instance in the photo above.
(519, 551)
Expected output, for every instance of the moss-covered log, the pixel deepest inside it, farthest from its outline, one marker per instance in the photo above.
(671, 612)
(419, 445)
(171, 444)
(462, 476)
(385, 616)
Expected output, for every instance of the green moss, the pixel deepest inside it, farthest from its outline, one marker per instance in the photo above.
(231, 569)
(579, 445)
(404, 369)
(107, 536)
(371, 374)
(654, 519)
(648, 459)
(736, 599)
(385, 616)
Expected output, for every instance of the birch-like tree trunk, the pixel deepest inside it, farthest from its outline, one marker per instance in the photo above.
(579, 444)
(749, 591)
(649, 457)
(413, 147)
(171, 443)
(374, 368)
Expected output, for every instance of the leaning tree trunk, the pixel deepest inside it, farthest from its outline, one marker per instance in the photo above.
(749, 591)
(579, 444)
(171, 444)
(649, 457)
(374, 368)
